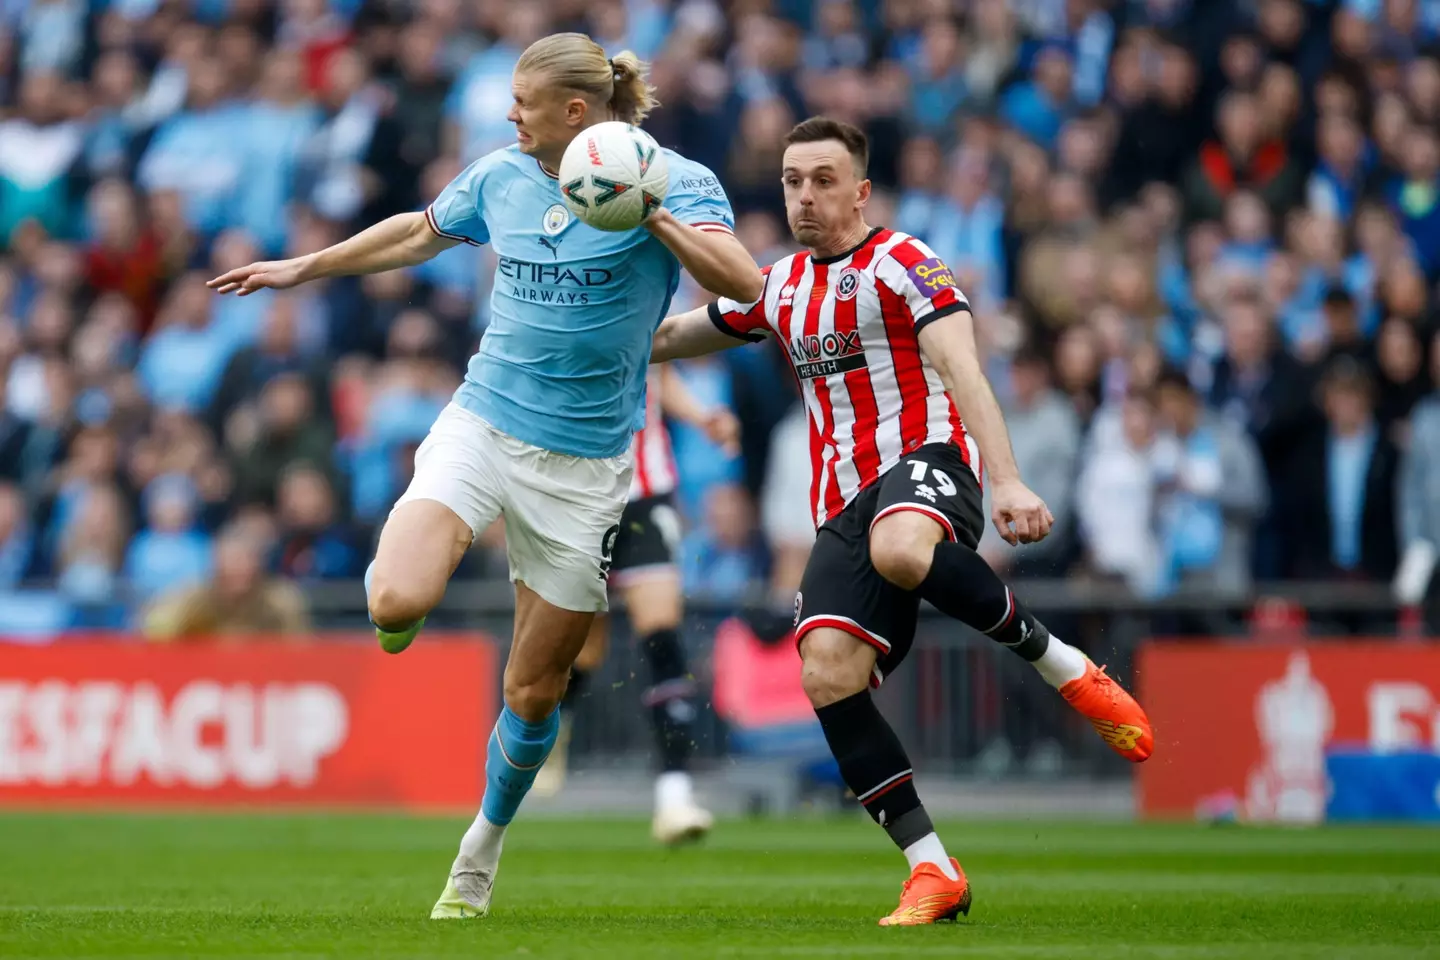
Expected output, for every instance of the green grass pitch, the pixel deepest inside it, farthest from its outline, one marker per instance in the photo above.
(80, 885)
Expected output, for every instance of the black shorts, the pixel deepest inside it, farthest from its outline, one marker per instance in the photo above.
(648, 539)
(841, 588)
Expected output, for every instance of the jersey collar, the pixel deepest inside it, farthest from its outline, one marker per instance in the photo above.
(851, 252)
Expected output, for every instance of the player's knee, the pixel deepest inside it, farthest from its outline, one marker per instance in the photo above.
(835, 666)
(534, 700)
(396, 605)
(899, 556)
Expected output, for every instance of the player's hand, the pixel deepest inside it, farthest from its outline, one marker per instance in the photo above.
(723, 429)
(1019, 515)
(274, 274)
(659, 220)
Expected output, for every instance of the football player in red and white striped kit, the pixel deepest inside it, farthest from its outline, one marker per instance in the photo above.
(883, 346)
(643, 572)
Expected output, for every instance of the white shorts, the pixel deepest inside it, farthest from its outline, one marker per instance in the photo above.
(562, 513)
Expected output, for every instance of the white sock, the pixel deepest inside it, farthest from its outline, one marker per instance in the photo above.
(673, 789)
(1060, 663)
(480, 847)
(929, 849)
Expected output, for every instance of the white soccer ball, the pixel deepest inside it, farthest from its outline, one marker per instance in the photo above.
(613, 175)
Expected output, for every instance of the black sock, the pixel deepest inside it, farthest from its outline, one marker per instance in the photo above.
(962, 585)
(579, 680)
(875, 767)
(671, 699)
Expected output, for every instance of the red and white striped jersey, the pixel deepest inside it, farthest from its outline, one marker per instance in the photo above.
(850, 325)
(654, 461)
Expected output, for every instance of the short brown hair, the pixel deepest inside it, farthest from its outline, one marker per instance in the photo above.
(817, 129)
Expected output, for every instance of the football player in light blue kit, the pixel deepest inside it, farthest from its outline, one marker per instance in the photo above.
(541, 428)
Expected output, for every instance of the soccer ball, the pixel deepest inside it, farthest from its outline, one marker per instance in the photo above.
(613, 175)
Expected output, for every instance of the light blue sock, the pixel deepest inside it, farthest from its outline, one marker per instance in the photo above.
(517, 750)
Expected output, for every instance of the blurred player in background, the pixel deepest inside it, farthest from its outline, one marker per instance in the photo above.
(540, 430)
(644, 572)
(882, 342)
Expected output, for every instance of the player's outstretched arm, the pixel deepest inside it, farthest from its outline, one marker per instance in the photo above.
(400, 241)
(690, 334)
(949, 344)
(717, 261)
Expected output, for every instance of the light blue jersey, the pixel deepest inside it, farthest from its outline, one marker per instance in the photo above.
(573, 310)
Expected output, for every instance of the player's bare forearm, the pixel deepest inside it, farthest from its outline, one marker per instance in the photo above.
(403, 240)
(689, 334)
(949, 344)
(717, 261)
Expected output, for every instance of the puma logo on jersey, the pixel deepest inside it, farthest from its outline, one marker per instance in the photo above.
(820, 356)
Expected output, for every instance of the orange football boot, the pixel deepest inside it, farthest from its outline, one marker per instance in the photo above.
(1120, 721)
(929, 897)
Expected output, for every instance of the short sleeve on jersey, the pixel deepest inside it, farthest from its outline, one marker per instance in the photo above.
(744, 321)
(697, 198)
(913, 272)
(456, 214)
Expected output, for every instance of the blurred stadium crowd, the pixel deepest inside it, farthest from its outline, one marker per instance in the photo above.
(1201, 236)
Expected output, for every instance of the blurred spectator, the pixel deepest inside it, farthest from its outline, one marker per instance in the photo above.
(351, 169)
(1045, 435)
(1039, 107)
(92, 555)
(1340, 495)
(722, 558)
(194, 152)
(276, 351)
(313, 546)
(1415, 196)
(1341, 335)
(1242, 157)
(918, 209)
(39, 150)
(420, 91)
(181, 363)
(1211, 492)
(1402, 379)
(239, 600)
(481, 98)
(993, 49)
(1342, 174)
(937, 80)
(117, 116)
(124, 256)
(1115, 498)
(16, 542)
(277, 126)
(278, 431)
(966, 231)
(171, 551)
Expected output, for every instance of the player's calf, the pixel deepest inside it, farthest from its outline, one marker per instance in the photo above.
(912, 551)
(873, 762)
